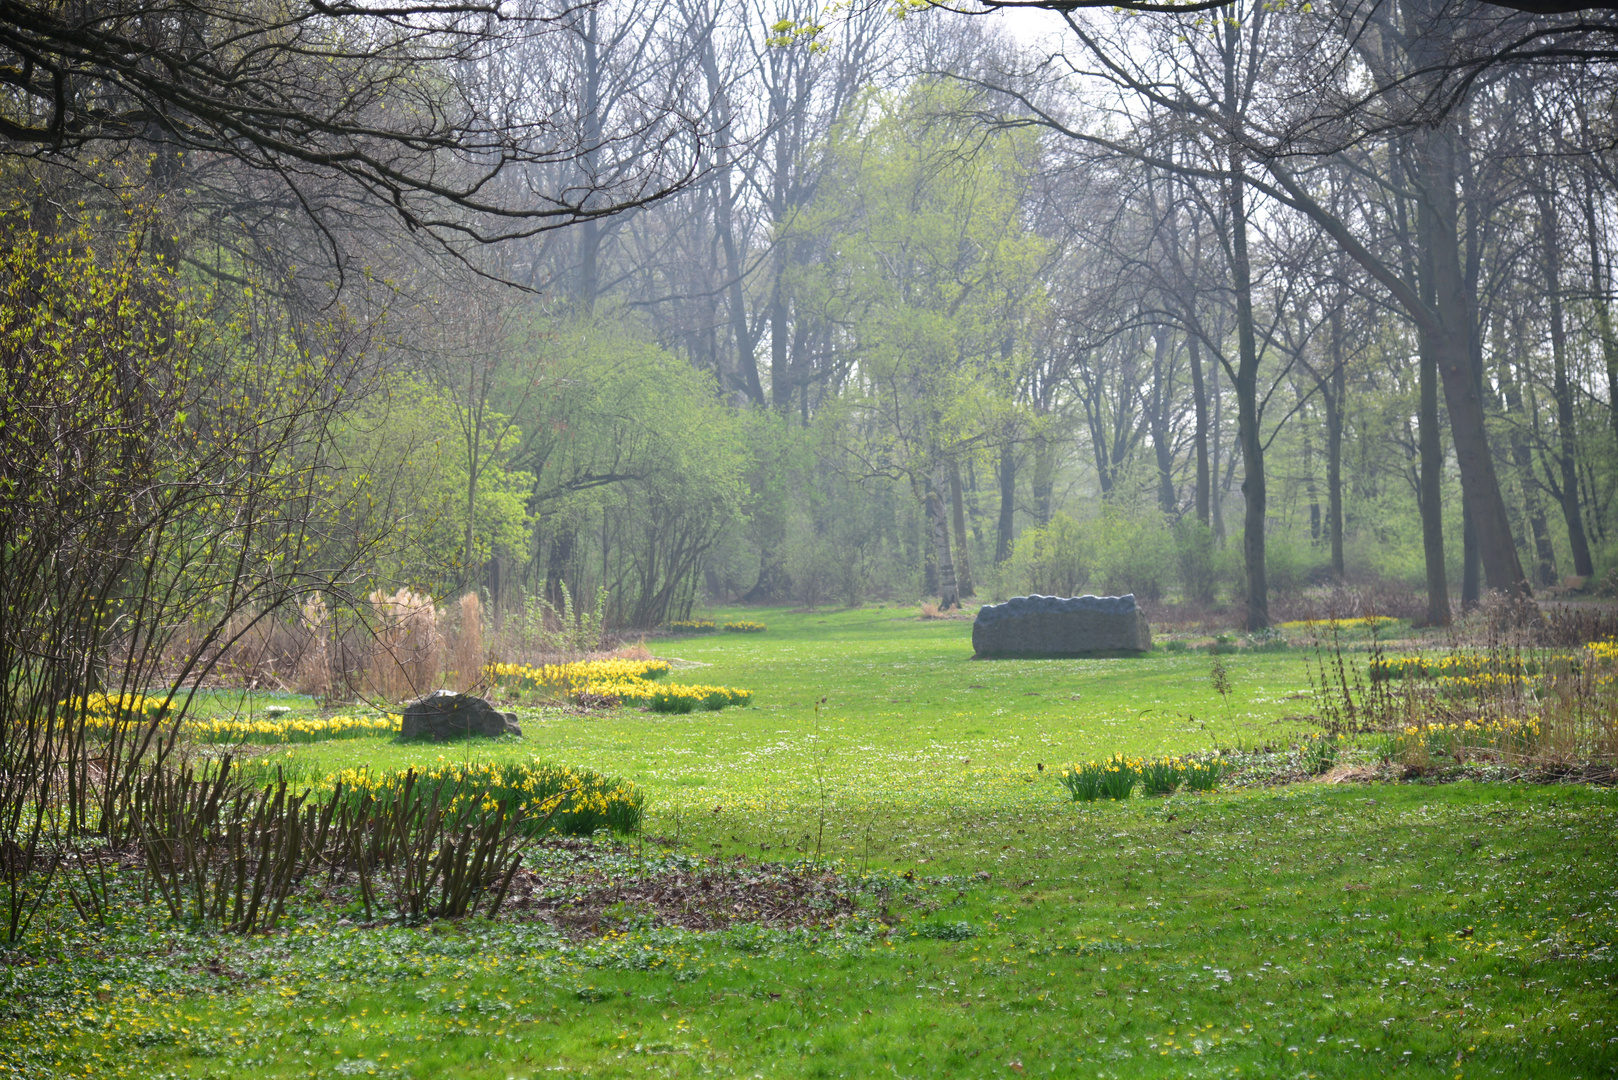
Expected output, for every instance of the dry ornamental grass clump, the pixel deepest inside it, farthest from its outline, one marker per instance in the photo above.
(404, 657)
(469, 658)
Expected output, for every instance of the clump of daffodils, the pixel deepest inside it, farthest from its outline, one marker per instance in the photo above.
(1119, 775)
(1514, 736)
(625, 681)
(556, 798)
(103, 714)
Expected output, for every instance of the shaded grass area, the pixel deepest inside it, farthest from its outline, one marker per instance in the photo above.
(980, 923)
(1307, 931)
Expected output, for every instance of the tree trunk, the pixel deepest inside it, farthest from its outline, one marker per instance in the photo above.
(1310, 491)
(1432, 477)
(1044, 478)
(1160, 418)
(1599, 286)
(1008, 503)
(1199, 435)
(1453, 350)
(1567, 434)
(1431, 449)
(1471, 557)
(724, 213)
(780, 382)
(963, 575)
(948, 591)
(1247, 420)
(780, 194)
(556, 566)
(1522, 456)
(1216, 502)
(1338, 384)
(590, 229)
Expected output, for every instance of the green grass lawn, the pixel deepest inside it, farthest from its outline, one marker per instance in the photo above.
(910, 724)
(998, 928)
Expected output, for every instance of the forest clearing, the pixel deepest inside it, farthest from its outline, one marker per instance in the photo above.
(875, 866)
(787, 538)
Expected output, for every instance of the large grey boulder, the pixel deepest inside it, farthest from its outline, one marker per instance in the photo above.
(444, 714)
(1061, 626)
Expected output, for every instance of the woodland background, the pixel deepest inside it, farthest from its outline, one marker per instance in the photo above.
(626, 309)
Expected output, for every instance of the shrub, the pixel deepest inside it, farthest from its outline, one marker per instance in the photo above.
(1054, 559)
(1196, 552)
(1134, 552)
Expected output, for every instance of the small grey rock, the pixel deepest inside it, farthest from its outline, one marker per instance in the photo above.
(1061, 626)
(444, 714)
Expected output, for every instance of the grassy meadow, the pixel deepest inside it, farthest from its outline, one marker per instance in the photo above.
(964, 916)
(884, 715)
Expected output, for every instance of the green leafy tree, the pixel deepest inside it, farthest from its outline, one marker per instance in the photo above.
(930, 277)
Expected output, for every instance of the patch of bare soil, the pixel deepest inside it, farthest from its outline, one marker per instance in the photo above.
(584, 897)
(1351, 774)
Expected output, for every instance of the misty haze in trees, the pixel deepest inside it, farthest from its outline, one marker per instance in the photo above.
(699, 301)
